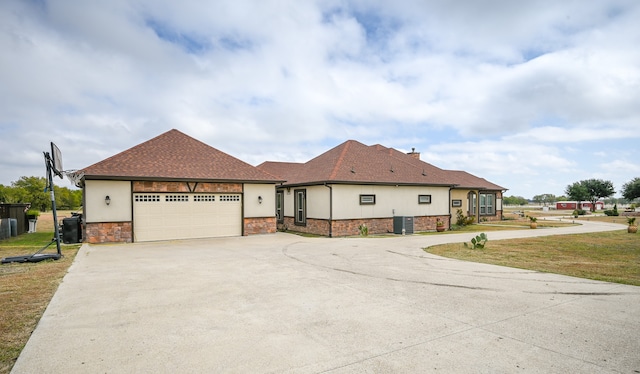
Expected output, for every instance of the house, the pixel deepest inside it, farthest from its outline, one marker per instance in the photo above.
(175, 187)
(354, 184)
(573, 205)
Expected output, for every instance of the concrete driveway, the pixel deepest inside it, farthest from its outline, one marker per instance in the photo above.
(286, 304)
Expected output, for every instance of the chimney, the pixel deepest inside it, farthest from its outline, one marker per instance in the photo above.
(414, 154)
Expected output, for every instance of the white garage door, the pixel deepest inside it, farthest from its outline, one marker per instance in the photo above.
(165, 216)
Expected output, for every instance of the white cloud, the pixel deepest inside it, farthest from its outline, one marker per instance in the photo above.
(510, 91)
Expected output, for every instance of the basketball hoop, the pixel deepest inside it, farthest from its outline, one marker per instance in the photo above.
(53, 163)
(75, 176)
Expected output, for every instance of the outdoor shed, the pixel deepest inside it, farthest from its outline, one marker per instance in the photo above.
(175, 187)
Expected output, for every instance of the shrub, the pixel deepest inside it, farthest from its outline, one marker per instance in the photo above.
(363, 229)
(579, 212)
(33, 213)
(460, 218)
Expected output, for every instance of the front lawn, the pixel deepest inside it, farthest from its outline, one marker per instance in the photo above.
(26, 289)
(608, 256)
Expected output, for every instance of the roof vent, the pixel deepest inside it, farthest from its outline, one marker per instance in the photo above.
(353, 170)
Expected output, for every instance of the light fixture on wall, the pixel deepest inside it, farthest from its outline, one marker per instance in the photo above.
(259, 199)
(107, 200)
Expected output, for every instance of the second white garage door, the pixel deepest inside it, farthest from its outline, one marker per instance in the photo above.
(166, 216)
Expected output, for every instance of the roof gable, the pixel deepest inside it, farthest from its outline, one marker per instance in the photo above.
(354, 162)
(283, 170)
(175, 155)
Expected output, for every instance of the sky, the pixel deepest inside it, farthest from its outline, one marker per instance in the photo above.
(532, 96)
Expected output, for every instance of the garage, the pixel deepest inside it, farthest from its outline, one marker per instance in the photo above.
(175, 187)
(167, 216)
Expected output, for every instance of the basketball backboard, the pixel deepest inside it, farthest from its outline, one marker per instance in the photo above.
(56, 160)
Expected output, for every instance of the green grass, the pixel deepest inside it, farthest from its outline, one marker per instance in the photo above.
(610, 256)
(26, 289)
(499, 226)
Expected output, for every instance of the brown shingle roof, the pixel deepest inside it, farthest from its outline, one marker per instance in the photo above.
(282, 170)
(466, 180)
(354, 162)
(174, 155)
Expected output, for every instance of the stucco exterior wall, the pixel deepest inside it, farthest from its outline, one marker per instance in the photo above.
(463, 197)
(252, 206)
(390, 201)
(95, 208)
(318, 202)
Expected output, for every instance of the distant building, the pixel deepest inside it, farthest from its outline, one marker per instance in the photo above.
(572, 205)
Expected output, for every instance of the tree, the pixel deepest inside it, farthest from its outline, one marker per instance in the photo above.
(68, 199)
(32, 190)
(4, 198)
(515, 200)
(545, 198)
(631, 189)
(590, 190)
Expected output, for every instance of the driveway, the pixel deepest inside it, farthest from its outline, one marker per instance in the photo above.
(286, 304)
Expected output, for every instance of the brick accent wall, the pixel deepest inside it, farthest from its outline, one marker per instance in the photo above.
(264, 225)
(349, 227)
(108, 232)
(497, 217)
(156, 186)
(428, 223)
(313, 226)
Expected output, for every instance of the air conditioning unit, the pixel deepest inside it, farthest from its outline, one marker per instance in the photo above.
(402, 225)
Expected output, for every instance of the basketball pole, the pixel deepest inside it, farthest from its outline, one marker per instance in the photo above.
(56, 230)
(39, 256)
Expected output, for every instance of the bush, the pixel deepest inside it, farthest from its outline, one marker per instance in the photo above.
(611, 212)
(461, 220)
(363, 229)
(579, 212)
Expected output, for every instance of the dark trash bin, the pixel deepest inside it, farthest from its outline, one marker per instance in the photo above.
(13, 223)
(5, 228)
(71, 230)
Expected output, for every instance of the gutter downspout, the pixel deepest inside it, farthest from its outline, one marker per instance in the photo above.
(450, 188)
(330, 209)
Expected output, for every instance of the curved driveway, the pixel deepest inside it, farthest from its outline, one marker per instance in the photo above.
(286, 304)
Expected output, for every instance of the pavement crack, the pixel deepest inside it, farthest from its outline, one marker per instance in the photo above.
(287, 254)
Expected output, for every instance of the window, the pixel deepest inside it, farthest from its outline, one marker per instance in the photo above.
(229, 197)
(424, 199)
(487, 204)
(204, 198)
(280, 206)
(473, 200)
(300, 207)
(176, 198)
(147, 198)
(367, 199)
